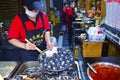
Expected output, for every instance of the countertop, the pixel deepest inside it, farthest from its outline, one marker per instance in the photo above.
(83, 69)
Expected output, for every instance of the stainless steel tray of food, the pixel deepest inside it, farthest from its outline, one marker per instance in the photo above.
(26, 65)
(8, 68)
(32, 69)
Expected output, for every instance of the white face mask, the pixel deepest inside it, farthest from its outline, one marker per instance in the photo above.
(30, 13)
(72, 5)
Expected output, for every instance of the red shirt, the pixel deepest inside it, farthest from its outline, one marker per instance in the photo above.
(70, 12)
(64, 13)
(17, 31)
(64, 9)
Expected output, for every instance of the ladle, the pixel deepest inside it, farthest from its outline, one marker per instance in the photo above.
(91, 68)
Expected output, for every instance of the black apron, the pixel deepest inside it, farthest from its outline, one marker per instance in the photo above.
(36, 37)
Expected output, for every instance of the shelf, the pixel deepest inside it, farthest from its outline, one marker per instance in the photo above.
(112, 34)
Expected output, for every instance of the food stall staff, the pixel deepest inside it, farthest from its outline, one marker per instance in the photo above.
(69, 19)
(64, 13)
(31, 24)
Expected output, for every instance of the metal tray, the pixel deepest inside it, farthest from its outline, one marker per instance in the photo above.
(26, 65)
(8, 68)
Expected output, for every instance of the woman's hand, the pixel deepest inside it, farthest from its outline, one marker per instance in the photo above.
(30, 46)
(50, 46)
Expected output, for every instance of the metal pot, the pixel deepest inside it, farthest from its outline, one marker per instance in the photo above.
(102, 67)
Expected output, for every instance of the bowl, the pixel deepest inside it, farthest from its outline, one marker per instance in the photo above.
(105, 71)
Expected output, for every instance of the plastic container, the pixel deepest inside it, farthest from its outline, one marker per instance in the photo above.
(96, 38)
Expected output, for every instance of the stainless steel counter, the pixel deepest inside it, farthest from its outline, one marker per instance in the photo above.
(11, 68)
(7, 68)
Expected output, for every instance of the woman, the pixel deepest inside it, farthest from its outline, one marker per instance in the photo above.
(31, 24)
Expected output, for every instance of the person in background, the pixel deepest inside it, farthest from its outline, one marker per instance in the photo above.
(64, 14)
(92, 11)
(98, 12)
(70, 17)
(92, 14)
(31, 24)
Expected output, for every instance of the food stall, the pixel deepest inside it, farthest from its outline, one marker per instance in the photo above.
(80, 64)
(80, 69)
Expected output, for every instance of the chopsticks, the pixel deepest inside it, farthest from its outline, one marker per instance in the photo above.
(36, 47)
